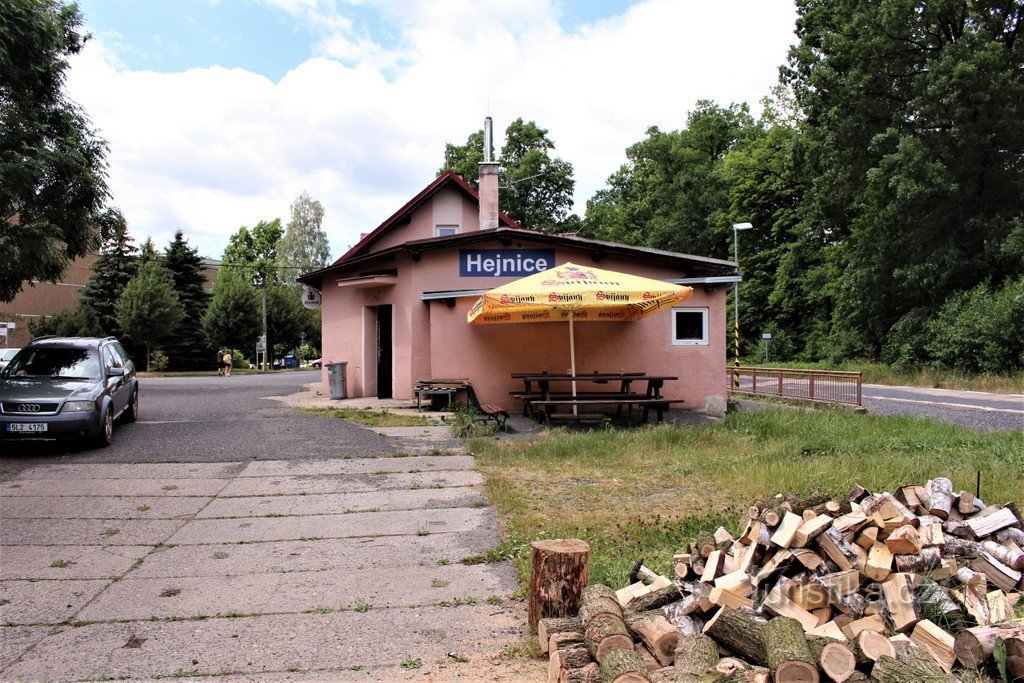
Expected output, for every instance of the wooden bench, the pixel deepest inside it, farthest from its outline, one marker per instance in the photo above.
(486, 411)
(658, 405)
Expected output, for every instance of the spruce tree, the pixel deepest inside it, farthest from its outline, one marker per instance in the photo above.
(116, 266)
(187, 347)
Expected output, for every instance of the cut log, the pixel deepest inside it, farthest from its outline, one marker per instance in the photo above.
(696, 600)
(838, 549)
(657, 633)
(852, 604)
(837, 661)
(778, 603)
(967, 504)
(910, 654)
(808, 531)
(1011, 534)
(695, 655)
(598, 599)
(789, 657)
(686, 625)
(606, 632)
(879, 564)
(723, 597)
(844, 582)
(706, 543)
(929, 559)
(871, 623)
(868, 537)
(651, 662)
(808, 558)
(773, 516)
(591, 673)
(901, 602)
(974, 645)
(940, 493)
(996, 572)
(622, 665)
(549, 626)
(999, 607)
(559, 575)
(989, 524)
(713, 567)
(904, 541)
(783, 536)
(938, 600)
(890, 670)
(873, 645)
(831, 630)
(564, 658)
(1012, 558)
(960, 547)
(936, 642)
(739, 632)
(654, 599)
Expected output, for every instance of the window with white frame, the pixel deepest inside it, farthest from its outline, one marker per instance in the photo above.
(690, 327)
(447, 230)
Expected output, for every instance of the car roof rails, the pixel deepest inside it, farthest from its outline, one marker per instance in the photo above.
(44, 336)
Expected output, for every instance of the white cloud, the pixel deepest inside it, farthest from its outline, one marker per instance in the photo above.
(363, 128)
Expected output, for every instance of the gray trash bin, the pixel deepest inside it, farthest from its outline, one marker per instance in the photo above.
(336, 379)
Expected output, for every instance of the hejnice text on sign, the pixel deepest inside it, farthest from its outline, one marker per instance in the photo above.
(504, 262)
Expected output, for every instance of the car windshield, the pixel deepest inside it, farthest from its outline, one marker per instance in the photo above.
(56, 362)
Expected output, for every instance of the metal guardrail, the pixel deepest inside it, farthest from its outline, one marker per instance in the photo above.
(819, 386)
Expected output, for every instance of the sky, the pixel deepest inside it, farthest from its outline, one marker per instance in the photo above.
(219, 113)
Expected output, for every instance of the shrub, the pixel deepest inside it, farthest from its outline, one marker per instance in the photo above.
(465, 425)
(158, 361)
(981, 330)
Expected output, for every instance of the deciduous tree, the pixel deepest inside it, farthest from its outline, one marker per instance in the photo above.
(52, 163)
(304, 246)
(149, 311)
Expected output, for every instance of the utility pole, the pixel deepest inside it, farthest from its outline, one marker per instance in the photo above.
(736, 227)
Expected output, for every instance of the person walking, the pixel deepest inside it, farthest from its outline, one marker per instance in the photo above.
(227, 360)
(221, 365)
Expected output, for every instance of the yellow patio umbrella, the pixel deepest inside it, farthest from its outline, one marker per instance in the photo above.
(570, 292)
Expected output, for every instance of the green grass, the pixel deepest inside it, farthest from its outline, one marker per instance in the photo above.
(880, 373)
(373, 418)
(646, 492)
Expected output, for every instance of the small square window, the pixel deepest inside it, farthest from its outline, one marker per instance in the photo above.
(447, 230)
(689, 326)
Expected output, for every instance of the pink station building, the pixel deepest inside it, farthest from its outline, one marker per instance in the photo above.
(395, 306)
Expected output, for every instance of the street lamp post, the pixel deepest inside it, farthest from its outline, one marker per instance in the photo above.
(736, 227)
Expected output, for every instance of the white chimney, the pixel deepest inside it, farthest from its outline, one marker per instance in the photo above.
(488, 182)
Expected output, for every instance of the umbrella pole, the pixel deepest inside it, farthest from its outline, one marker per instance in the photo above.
(572, 363)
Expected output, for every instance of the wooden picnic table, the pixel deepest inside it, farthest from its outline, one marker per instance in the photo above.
(548, 401)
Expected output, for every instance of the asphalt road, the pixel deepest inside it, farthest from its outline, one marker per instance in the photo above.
(974, 409)
(213, 419)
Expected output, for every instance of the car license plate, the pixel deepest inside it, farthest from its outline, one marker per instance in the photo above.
(26, 427)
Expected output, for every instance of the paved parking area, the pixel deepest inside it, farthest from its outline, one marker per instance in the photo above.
(343, 568)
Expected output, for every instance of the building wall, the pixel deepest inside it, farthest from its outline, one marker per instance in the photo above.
(447, 207)
(433, 340)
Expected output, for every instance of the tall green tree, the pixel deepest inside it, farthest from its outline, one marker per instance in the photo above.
(671, 194)
(304, 246)
(233, 317)
(80, 321)
(913, 114)
(188, 347)
(536, 187)
(149, 311)
(52, 163)
(252, 254)
(116, 266)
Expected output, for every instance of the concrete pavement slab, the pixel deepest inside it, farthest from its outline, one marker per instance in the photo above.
(192, 470)
(69, 561)
(15, 640)
(338, 503)
(295, 592)
(348, 483)
(343, 641)
(276, 468)
(45, 602)
(395, 523)
(112, 487)
(435, 433)
(102, 507)
(299, 556)
(88, 531)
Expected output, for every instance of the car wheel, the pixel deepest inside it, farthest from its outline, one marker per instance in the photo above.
(131, 413)
(106, 435)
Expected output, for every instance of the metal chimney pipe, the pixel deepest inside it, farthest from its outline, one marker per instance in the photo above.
(488, 140)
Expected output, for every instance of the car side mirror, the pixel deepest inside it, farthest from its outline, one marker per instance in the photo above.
(115, 372)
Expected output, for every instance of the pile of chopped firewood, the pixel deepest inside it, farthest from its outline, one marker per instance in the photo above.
(919, 585)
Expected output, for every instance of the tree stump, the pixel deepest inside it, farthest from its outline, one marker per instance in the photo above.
(560, 573)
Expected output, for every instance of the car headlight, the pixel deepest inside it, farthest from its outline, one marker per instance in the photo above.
(80, 407)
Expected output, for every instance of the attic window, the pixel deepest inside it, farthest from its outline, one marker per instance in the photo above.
(447, 230)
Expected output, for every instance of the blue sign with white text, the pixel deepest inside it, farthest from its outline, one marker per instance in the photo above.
(504, 262)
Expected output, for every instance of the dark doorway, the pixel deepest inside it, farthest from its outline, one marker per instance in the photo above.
(384, 352)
